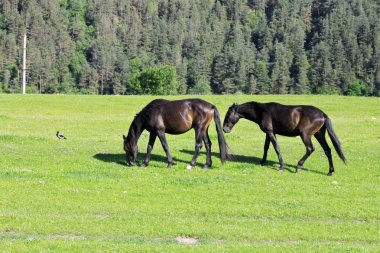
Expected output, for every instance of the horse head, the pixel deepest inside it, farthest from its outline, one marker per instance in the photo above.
(131, 151)
(231, 118)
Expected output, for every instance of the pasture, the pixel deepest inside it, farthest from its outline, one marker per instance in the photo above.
(77, 195)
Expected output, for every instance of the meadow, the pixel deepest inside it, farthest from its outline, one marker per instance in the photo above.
(77, 195)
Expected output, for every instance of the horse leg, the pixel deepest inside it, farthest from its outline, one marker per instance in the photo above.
(273, 139)
(309, 149)
(198, 146)
(320, 136)
(207, 142)
(152, 139)
(161, 136)
(266, 147)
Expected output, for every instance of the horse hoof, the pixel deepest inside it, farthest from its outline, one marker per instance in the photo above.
(170, 164)
(262, 163)
(143, 165)
(189, 167)
(206, 167)
(281, 170)
(329, 174)
(298, 169)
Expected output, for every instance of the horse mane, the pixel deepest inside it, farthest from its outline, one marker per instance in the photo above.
(250, 105)
(148, 110)
(137, 115)
(139, 118)
(257, 105)
(136, 124)
(145, 112)
(254, 107)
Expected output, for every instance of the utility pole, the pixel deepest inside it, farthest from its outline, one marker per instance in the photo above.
(24, 67)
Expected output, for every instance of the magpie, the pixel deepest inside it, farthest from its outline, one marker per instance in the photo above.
(60, 136)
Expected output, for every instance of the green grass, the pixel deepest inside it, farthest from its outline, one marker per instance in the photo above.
(77, 195)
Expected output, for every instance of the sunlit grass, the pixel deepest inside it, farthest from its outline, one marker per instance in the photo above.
(77, 194)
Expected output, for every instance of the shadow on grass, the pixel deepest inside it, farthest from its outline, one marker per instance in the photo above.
(111, 158)
(237, 158)
(256, 160)
(120, 159)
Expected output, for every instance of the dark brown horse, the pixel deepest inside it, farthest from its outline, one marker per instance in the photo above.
(273, 118)
(175, 117)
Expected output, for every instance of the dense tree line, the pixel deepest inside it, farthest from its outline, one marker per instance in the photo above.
(192, 46)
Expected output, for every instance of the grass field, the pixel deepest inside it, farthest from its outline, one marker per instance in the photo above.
(76, 195)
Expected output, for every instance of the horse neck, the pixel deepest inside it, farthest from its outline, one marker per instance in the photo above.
(135, 130)
(249, 111)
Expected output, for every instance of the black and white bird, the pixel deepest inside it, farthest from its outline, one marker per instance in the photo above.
(60, 136)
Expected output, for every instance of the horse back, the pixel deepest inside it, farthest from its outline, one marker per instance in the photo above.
(291, 120)
(177, 117)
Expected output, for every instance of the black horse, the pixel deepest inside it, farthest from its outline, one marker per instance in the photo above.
(273, 118)
(175, 117)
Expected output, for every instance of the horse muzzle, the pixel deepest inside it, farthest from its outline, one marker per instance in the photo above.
(226, 129)
(130, 164)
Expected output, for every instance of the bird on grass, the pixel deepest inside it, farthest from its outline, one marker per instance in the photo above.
(60, 136)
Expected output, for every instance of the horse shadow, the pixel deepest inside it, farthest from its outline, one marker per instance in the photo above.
(235, 158)
(111, 158)
(119, 158)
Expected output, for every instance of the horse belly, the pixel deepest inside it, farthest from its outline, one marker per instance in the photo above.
(287, 129)
(176, 131)
(177, 128)
(290, 133)
(178, 124)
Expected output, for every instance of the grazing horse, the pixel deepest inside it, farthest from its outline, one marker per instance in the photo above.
(175, 117)
(273, 118)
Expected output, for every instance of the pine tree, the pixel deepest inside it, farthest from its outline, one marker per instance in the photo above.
(297, 46)
(280, 72)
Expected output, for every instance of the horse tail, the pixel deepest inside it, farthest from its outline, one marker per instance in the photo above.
(334, 139)
(221, 140)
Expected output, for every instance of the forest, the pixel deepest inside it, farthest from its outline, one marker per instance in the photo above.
(191, 46)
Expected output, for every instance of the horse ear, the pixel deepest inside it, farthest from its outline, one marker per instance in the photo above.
(234, 106)
(124, 137)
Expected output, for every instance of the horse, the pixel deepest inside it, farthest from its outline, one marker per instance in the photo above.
(175, 117)
(287, 120)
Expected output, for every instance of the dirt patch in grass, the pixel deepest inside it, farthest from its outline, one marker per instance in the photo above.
(187, 240)
(68, 237)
